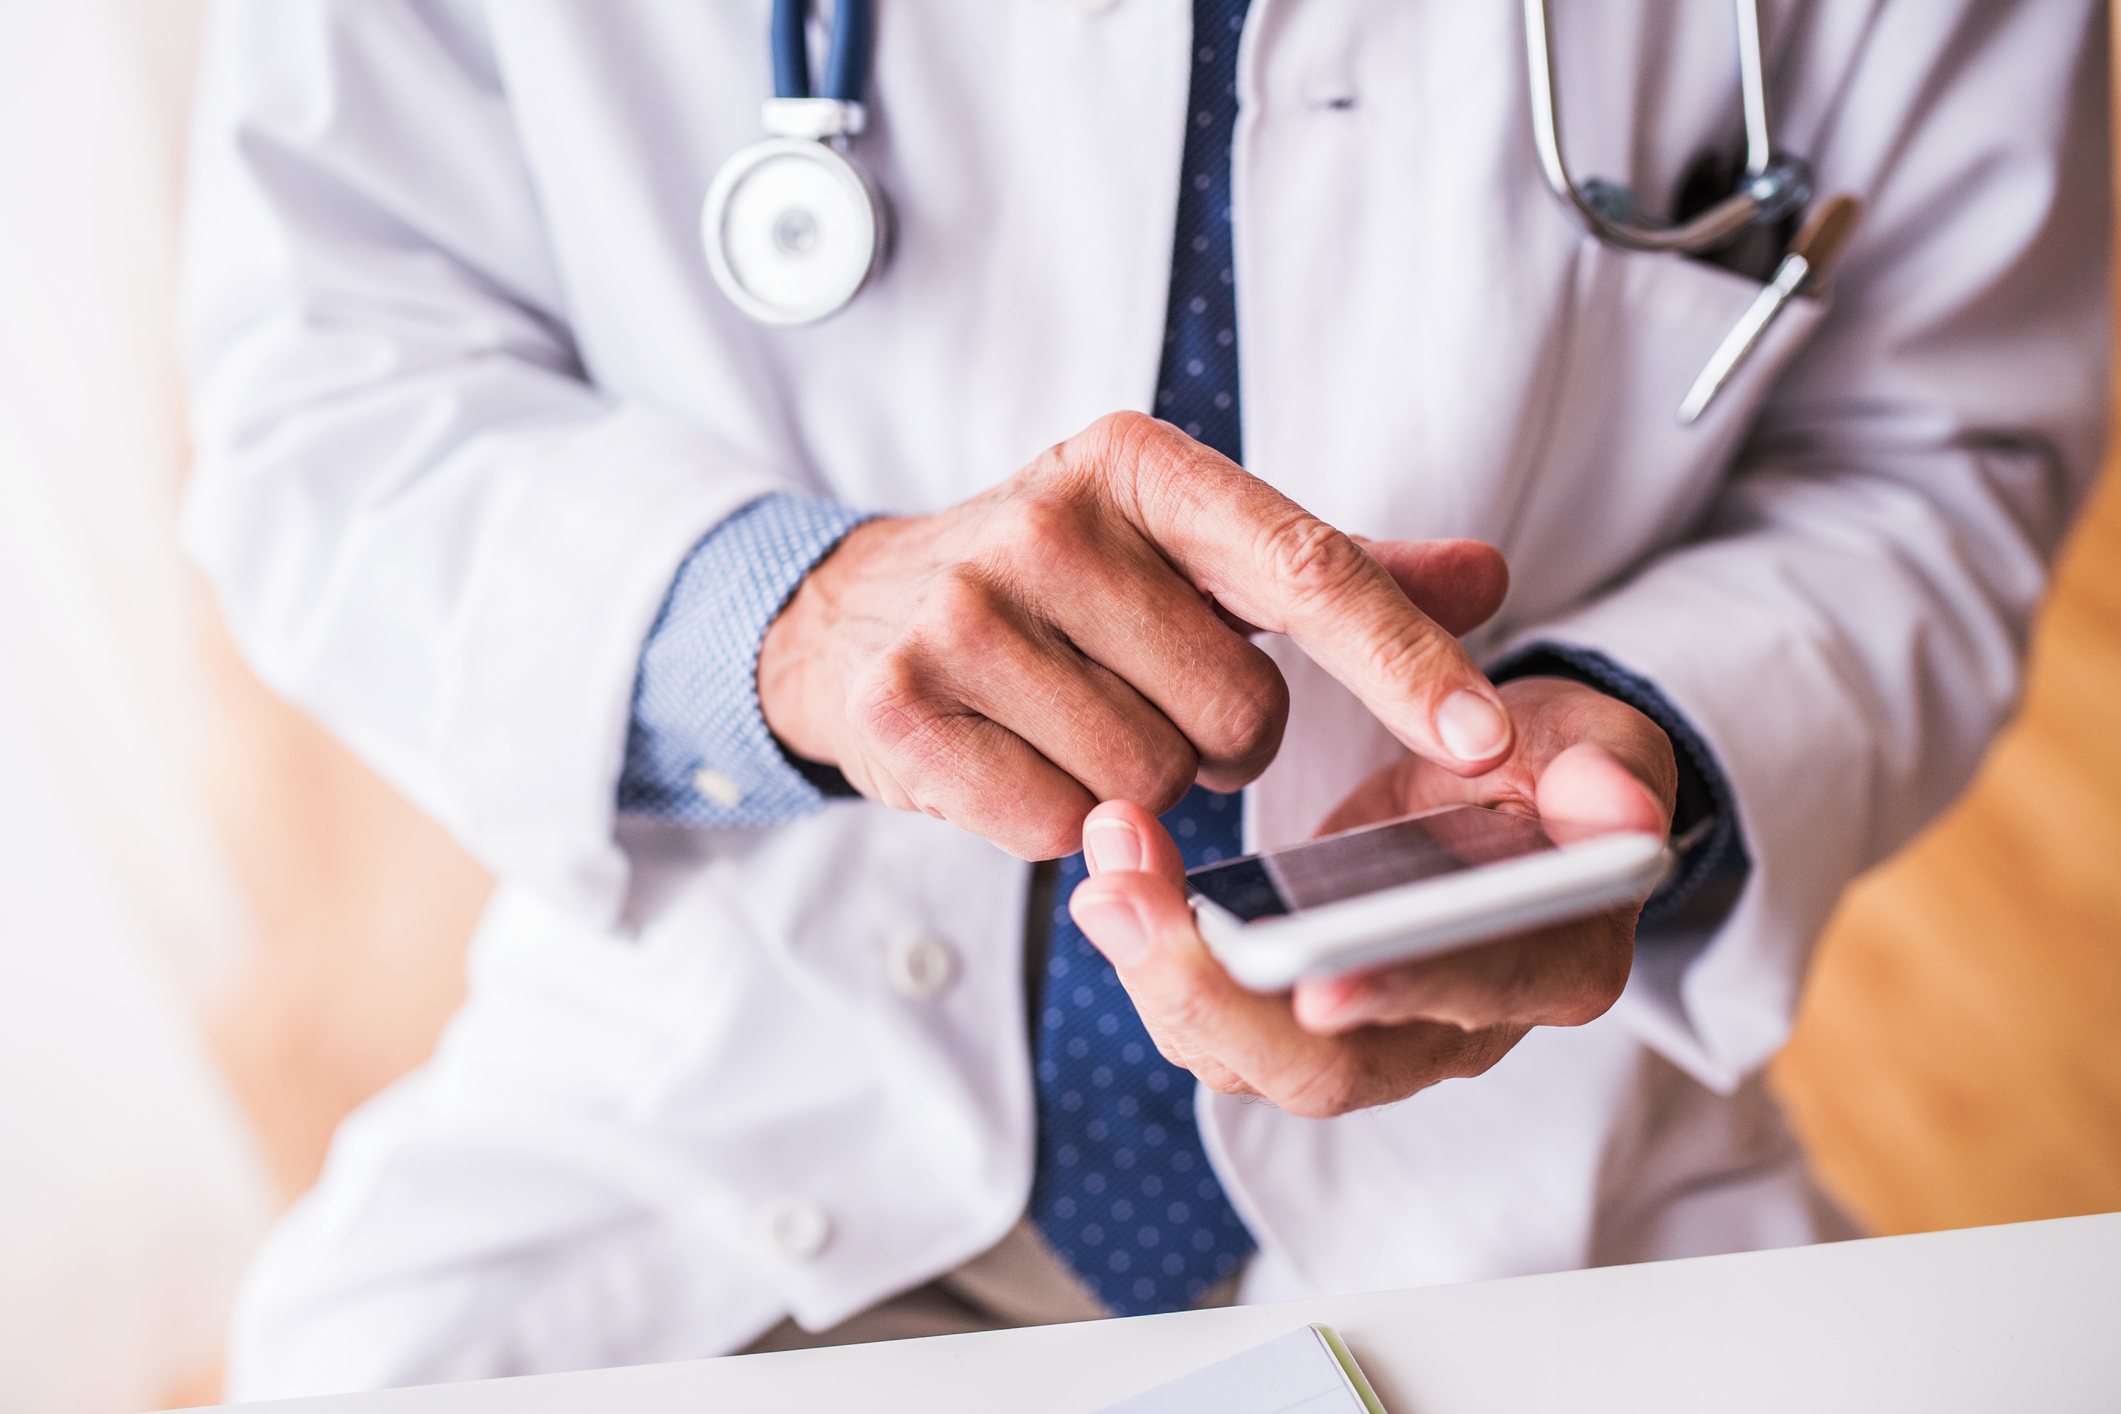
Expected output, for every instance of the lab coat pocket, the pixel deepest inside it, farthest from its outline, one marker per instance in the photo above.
(1618, 476)
(1611, 477)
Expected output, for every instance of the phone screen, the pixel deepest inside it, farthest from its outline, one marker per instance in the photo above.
(1364, 861)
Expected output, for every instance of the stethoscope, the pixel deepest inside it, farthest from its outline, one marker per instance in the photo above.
(1772, 188)
(794, 230)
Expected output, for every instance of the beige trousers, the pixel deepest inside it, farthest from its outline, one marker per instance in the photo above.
(1017, 1282)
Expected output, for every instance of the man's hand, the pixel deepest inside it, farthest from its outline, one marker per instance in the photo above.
(1078, 634)
(1345, 1043)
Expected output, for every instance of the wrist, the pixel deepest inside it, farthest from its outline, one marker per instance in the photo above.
(698, 751)
(788, 673)
(802, 671)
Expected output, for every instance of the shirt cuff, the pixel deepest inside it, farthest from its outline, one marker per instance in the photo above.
(1714, 865)
(698, 751)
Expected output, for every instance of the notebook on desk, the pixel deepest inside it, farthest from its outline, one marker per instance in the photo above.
(1307, 1371)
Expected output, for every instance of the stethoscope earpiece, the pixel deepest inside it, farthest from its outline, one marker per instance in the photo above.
(793, 229)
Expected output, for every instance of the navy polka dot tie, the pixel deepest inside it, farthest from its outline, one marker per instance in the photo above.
(1123, 1191)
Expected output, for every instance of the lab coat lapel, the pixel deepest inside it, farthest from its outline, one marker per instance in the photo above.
(1351, 258)
(1481, 326)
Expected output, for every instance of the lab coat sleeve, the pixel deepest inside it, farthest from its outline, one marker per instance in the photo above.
(424, 522)
(1847, 628)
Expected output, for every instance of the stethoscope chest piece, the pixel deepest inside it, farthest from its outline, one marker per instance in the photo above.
(792, 230)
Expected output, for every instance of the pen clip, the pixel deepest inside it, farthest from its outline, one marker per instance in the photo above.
(1803, 269)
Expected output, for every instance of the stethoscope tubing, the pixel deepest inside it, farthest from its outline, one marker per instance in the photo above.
(1772, 187)
(1771, 190)
(846, 57)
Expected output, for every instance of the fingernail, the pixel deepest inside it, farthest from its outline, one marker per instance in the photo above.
(1109, 921)
(1473, 727)
(1112, 847)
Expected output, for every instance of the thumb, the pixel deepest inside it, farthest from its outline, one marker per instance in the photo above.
(1133, 906)
(1234, 1040)
(1585, 790)
(1136, 892)
(1119, 837)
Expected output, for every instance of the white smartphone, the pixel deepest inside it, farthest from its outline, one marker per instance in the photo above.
(1409, 888)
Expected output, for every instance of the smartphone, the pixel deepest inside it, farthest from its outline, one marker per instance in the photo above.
(1409, 888)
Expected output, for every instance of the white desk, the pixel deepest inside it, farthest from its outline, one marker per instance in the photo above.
(2026, 1317)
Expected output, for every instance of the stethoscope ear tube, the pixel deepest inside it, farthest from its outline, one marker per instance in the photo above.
(846, 57)
(1774, 186)
(791, 49)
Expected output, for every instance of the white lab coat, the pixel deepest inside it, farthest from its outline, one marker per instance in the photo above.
(466, 395)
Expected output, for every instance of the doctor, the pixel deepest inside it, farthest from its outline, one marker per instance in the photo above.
(757, 658)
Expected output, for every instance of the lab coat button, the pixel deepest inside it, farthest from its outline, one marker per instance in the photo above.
(798, 1227)
(921, 966)
(717, 788)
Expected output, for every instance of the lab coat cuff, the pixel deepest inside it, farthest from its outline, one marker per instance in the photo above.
(698, 751)
(1718, 998)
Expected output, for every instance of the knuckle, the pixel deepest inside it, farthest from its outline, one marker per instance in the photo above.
(888, 703)
(1169, 780)
(1153, 774)
(897, 718)
(1326, 1092)
(1484, 1049)
(1567, 975)
(1052, 839)
(1028, 529)
(961, 613)
(1579, 1010)
(1248, 714)
(1130, 449)
(1311, 561)
(1116, 434)
(1100, 447)
(1407, 657)
(1602, 976)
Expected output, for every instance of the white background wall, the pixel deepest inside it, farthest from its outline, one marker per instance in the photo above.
(130, 1188)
